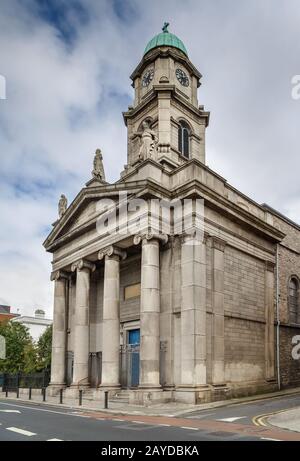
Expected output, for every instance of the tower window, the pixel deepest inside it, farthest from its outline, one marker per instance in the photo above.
(184, 139)
(294, 308)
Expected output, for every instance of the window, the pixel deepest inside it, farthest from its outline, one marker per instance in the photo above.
(184, 139)
(132, 291)
(294, 300)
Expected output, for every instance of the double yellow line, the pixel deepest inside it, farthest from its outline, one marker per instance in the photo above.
(261, 420)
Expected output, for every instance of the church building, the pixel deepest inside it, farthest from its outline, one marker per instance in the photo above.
(170, 284)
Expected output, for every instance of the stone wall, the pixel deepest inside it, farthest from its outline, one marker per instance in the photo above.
(289, 264)
(244, 310)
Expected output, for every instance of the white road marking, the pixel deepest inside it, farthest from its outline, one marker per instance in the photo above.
(164, 425)
(139, 422)
(21, 431)
(113, 419)
(231, 420)
(54, 440)
(190, 428)
(269, 438)
(39, 409)
(10, 411)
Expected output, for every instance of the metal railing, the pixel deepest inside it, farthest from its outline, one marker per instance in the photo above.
(12, 382)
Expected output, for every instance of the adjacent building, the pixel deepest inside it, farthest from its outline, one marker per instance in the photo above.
(36, 324)
(6, 314)
(160, 311)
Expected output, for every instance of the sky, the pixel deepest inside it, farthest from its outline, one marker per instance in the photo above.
(67, 64)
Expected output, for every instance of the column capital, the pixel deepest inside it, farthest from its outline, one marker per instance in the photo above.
(137, 239)
(197, 235)
(270, 266)
(60, 274)
(83, 264)
(111, 251)
(218, 243)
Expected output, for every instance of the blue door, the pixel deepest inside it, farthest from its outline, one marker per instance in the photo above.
(134, 345)
(134, 336)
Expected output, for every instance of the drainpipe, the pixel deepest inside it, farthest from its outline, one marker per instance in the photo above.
(277, 318)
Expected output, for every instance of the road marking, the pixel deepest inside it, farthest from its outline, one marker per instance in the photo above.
(39, 409)
(165, 425)
(231, 420)
(189, 428)
(54, 440)
(20, 431)
(268, 438)
(139, 422)
(10, 411)
(115, 419)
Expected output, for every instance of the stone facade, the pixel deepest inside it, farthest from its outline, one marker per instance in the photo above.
(184, 315)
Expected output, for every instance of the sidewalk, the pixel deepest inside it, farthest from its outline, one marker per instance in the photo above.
(171, 409)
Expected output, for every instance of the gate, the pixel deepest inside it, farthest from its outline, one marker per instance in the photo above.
(130, 365)
(95, 368)
(12, 382)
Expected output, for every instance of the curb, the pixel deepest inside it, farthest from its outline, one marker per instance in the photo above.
(139, 411)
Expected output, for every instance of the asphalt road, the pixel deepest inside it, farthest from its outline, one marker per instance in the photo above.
(35, 422)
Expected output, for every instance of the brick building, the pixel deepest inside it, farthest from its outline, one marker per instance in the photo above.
(186, 315)
(5, 313)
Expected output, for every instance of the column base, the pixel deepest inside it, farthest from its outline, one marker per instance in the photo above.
(53, 389)
(150, 396)
(107, 387)
(193, 394)
(220, 392)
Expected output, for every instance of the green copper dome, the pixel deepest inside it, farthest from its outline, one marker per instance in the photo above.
(165, 38)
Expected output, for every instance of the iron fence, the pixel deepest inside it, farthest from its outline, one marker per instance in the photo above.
(12, 382)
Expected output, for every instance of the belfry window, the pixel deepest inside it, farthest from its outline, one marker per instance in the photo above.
(294, 308)
(184, 139)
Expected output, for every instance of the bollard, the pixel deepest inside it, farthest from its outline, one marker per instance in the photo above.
(18, 392)
(60, 395)
(44, 394)
(106, 399)
(80, 397)
(30, 391)
(6, 392)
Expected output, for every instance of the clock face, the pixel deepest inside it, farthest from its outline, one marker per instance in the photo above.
(182, 77)
(148, 77)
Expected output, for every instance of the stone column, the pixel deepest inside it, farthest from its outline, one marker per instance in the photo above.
(217, 270)
(59, 335)
(269, 316)
(193, 313)
(150, 310)
(111, 317)
(83, 270)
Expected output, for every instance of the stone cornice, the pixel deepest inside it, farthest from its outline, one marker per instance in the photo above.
(169, 52)
(163, 238)
(112, 251)
(83, 264)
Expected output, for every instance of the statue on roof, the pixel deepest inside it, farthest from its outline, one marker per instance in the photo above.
(98, 171)
(165, 27)
(62, 205)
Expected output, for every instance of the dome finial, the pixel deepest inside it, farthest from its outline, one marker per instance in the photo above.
(165, 27)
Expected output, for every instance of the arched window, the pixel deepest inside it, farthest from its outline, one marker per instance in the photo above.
(184, 139)
(294, 300)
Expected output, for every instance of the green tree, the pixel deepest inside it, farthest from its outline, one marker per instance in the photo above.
(44, 347)
(17, 340)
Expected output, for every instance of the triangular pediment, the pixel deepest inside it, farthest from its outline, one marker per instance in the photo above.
(86, 208)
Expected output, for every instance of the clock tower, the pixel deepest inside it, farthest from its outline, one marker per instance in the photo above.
(165, 122)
